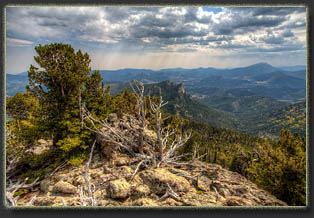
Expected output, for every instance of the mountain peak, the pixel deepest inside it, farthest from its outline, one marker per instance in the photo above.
(262, 64)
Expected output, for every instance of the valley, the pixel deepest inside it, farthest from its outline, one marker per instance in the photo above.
(245, 99)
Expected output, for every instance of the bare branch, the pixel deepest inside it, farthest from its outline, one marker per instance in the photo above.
(58, 168)
(217, 195)
(137, 168)
(90, 188)
(63, 202)
(169, 193)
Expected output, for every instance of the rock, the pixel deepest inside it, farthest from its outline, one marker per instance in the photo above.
(122, 160)
(171, 202)
(45, 185)
(44, 201)
(140, 191)
(108, 149)
(42, 141)
(111, 203)
(196, 186)
(42, 146)
(64, 187)
(145, 202)
(203, 183)
(107, 169)
(125, 170)
(96, 165)
(112, 117)
(61, 177)
(119, 188)
(78, 180)
(157, 180)
(237, 201)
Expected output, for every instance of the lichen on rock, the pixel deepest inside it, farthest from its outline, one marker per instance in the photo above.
(119, 188)
(64, 187)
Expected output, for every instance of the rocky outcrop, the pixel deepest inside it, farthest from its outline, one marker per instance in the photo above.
(199, 184)
(157, 180)
(119, 188)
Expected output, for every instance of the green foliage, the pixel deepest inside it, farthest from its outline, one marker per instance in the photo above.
(22, 106)
(21, 192)
(64, 75)
(282, 169)
(78, 159)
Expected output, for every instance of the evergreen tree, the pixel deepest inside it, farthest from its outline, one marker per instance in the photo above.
(63, 75)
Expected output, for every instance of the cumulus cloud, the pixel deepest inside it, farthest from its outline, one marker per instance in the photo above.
(160, 29)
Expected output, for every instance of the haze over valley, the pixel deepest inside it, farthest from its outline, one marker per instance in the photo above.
(236, 98)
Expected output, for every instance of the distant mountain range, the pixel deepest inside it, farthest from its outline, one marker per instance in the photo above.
(243, 98)
(259, 79)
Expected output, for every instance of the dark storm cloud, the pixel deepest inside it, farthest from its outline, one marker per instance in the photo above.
(173, 32)
(274, 40)
(47, 22)
(243, 20)
(151, 28)
(278, 11)
(191, 16)
(168, 25)
(277, 38)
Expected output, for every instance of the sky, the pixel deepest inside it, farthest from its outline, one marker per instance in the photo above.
(117, 37)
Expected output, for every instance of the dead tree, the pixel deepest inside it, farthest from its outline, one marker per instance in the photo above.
(139, 92)
(166, 149)
(90, 199)
(130, 133)
(157, 114)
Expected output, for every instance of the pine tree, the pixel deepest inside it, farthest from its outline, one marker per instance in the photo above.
(62, 77)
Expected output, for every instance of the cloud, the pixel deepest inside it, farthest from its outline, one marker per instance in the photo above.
(17, 42)
(244, 20)
(146, 30)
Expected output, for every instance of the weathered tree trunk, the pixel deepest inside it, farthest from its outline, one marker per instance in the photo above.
(142, 127)
(159, 140)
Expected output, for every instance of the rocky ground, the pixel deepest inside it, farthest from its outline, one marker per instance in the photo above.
(113, 185)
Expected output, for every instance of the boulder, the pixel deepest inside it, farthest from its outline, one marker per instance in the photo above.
(145, 202)
(64, 187)
(119, 188)
(44, 201)
(157, 180)
(141, 190)
(237, 201)
(45, 185)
